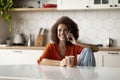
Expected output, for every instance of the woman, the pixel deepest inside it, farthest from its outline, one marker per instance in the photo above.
(64, 34)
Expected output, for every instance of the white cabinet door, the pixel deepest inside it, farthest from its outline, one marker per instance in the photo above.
(116, 3)
(108, 58)
(96, 59)
(87, 4)
(97, 4)
(104, 4)
(111, 59)
(72, 4)
(10, 57)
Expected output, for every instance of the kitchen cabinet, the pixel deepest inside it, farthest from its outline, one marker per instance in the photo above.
(102, 4)
(116, 4)
(87, 4)
(16, 56)
(75, 5)
(107, 58)
(72, 4)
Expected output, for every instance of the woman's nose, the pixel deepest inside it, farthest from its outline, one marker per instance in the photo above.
(62, 32)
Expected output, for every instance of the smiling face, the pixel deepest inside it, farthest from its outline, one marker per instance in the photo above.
(62, 32)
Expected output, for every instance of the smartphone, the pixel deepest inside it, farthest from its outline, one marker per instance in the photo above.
(68, 39)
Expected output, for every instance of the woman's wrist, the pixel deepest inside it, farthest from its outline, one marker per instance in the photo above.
(76, 43)
(57, 63)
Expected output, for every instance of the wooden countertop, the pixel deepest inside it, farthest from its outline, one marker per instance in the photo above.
(23, 47)
(109, 48)
(42, 48)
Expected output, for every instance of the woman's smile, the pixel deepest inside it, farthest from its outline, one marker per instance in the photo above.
(62, 32)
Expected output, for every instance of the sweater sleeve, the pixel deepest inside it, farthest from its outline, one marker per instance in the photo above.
(45, 54)
(79, 49)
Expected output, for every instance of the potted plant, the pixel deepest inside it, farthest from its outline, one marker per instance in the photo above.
(5, 6)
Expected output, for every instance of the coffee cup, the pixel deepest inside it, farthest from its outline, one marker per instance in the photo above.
(70, 61)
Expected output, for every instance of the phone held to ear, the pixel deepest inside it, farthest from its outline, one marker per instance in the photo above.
(69, 39)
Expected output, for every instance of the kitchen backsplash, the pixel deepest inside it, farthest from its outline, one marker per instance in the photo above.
(95, 26)
(3, 30)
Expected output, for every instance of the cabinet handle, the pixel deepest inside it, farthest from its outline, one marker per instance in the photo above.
(113, 53)
(111, 5)
(115, 5)
(87, 6)
(17, 51)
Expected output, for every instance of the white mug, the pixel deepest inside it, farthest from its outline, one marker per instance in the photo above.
(70, 60)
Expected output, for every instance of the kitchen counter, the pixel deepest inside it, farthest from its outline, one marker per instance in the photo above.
(109, 48)
(39, 72)
(23, 47)
(43, 47)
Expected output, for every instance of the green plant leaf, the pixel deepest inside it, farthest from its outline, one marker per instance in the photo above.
(1, 3)
(9, 28)
(5, 6)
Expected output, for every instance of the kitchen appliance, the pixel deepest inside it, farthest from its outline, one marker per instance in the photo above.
(18, 39)
(117, 43)
(109, 42)
(29, 43)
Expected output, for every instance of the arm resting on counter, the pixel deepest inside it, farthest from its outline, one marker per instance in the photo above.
(93, 47)
(49, 62)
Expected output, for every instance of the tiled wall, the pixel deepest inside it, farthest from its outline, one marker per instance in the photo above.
(3, 31)
(95, 26)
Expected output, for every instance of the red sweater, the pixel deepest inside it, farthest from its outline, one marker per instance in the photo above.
(52, 52)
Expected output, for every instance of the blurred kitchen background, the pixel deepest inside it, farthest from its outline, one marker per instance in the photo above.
(95, 26)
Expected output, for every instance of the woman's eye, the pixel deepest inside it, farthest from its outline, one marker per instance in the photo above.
(66, 30)
(63, 30)
(59, 30)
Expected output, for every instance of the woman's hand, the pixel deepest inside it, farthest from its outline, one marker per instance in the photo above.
(63, 62)
(72, 38)
(67, 61)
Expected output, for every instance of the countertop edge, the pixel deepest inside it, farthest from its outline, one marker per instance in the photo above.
(23, 47)
(43, 47)
(109, 48)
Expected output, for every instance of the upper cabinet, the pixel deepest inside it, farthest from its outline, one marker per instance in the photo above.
(116, 4)
(33, 5)
(72, 4)
(87, 4)
(98, 4)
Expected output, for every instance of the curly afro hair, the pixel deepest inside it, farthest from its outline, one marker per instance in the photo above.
(71, 25)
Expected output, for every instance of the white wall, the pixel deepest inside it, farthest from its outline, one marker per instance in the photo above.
(95, 25)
